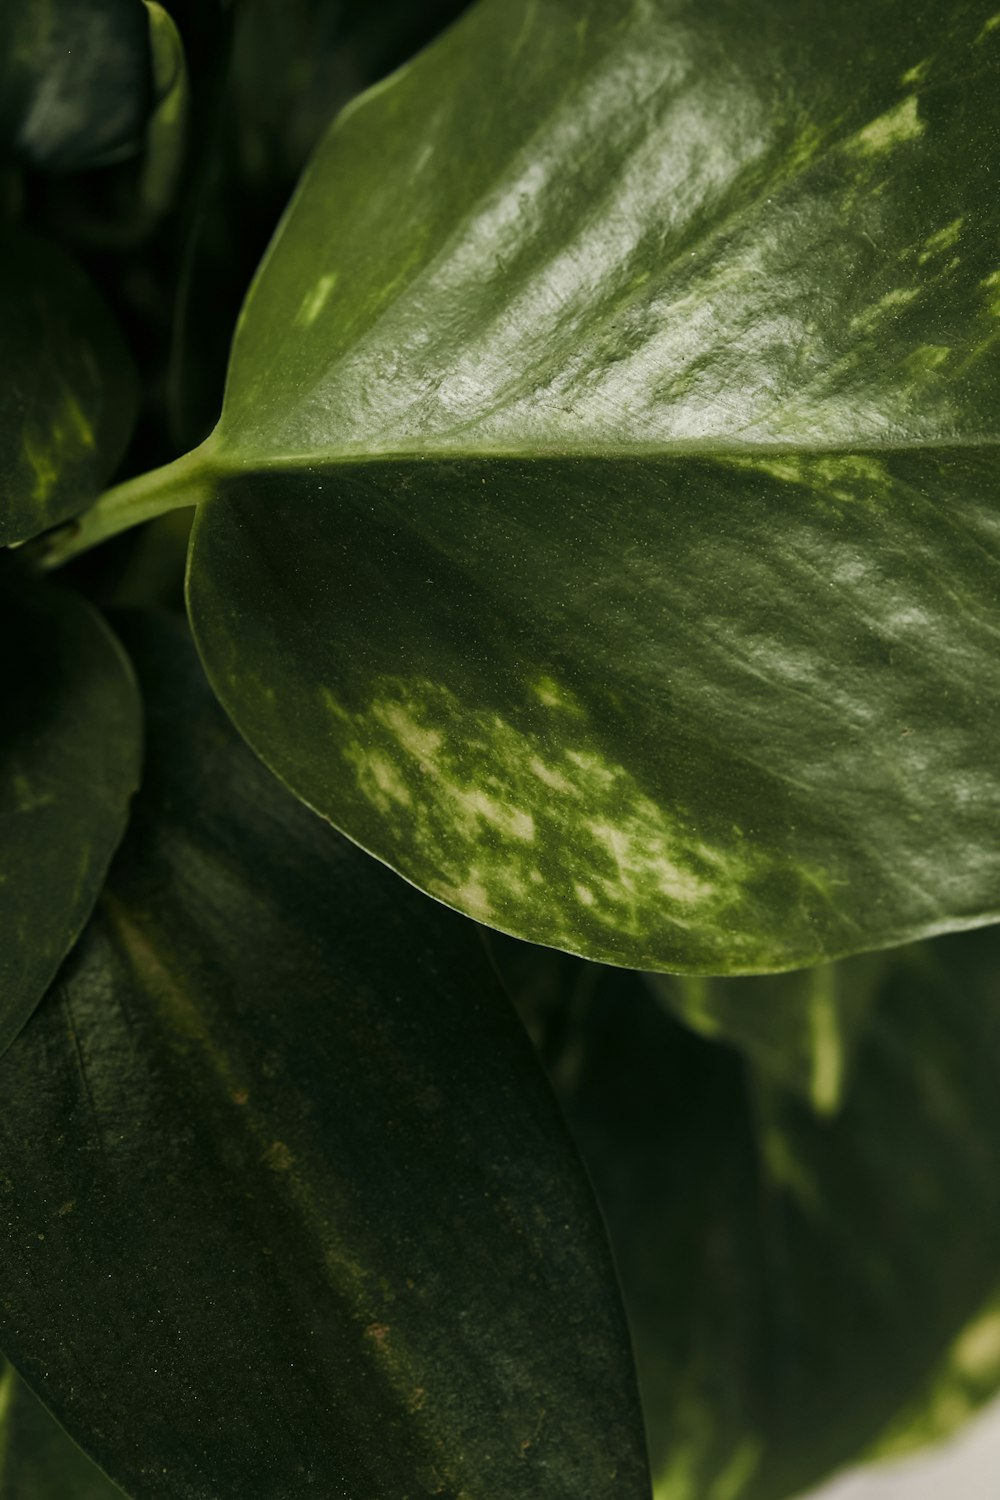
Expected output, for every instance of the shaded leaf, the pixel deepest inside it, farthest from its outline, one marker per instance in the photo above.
(802, 1028)
(67, 400)
(280, 1170)
(69, 763)
(37, 1460)
(798, 1288)
(74, 80)
(604, 531)
(292, 65)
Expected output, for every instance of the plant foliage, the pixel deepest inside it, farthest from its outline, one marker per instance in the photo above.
(597, 525)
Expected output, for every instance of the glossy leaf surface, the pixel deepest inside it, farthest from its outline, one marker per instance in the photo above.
(280, 1170)
(70, 744)
(74, 80)
(67, 398)
(604, 531)
(796, 1285)
(37, 1460)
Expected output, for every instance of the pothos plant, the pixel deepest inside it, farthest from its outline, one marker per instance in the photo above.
(601, 531)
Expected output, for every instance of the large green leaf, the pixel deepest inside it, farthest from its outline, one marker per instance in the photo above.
(37, 1460)
(281, 1172)
(602, 519)
(792, 1281)
(67, 398)
(70, 735)
(75, 80)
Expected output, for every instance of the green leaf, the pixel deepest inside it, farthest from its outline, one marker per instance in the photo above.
(69, 762)
(802, 1028)
(796, 1285)
(166, 128)
(604, 519)
(292, 65)
(280, 1171)
(37, 1460)
(67, 400)
(74, 81)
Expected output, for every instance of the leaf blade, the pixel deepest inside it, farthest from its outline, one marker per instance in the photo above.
(69, 762)
(305, 1113)
(676, 385)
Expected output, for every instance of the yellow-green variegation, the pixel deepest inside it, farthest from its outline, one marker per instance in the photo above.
(805, 1287)
(601, 525)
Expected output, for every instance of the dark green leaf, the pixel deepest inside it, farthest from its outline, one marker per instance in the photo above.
(37, 1460)
(291, 66)
(793, 1281)
(67, 399)
(69, 762)
(74, 80)
(280, 1171)
(605, 521)
(801, 1028)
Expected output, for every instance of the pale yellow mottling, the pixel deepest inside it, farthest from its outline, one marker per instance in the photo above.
(554, 695)
(992, 284)
(917, 73)
(489, 810)
(316, 299)
(471, 897)
(826, 1042)
(836, 476)
(941, 239)
(551, 778)
(419, 741)
(892, 302)
(897, 126)
(977, 1351)
(987, 27)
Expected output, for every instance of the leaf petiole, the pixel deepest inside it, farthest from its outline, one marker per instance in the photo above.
(182, 482)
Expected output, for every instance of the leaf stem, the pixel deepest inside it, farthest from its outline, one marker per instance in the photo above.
(184, 481)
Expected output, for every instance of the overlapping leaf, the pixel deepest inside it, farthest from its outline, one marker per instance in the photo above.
(280, 1171)
(801, 1289)
(37, 1460)
(603, 529)
(70, 736)
(67, 399)
(75, 82)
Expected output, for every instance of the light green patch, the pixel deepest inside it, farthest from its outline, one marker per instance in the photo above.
(744, 1461)
(992, 284)
(697, 1003)
(44, 469)
(892, 302)
(987, 28)
(554, 695)
(383, 784)
(977, 1350)
(26, 798)
(827, 1043)
(895, 128)
(484, 812)
(917, 73)
(846, 477)
(788, 1172)
(969, 1378)
(316, 299)
(941, 239)
(926, 358)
